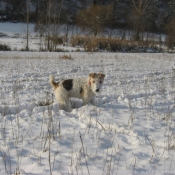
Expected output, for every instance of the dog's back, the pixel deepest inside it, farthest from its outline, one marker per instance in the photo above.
(77, 87)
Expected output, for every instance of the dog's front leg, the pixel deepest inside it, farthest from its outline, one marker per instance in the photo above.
(88, 100)
(85, 102)
(92, 101)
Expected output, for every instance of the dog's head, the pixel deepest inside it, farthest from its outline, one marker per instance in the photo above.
(96, 81)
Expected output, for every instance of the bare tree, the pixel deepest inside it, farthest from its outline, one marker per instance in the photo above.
(111, 22)
(140, 7)
(95, 17)
(27, 22)
(57, 8)
(171, 9)
(48, 21)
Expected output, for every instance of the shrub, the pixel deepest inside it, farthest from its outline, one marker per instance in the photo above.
(170, 39)
(96, 17)
(4, 47)
(113, 44)
(66, 57)
(24, 49)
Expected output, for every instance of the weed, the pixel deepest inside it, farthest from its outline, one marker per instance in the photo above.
(113, 44)
(4, 47)
(65, 57)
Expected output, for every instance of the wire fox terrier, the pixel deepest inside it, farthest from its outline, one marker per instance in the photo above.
(83, 88)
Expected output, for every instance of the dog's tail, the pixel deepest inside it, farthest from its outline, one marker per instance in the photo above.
(52, 82)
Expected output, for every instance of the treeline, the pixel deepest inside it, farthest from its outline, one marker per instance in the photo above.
(153, 15)
(140, 16)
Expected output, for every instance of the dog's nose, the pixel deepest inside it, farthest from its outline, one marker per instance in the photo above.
(97, 90)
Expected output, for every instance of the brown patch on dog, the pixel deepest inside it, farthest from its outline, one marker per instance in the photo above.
(101, 75)
(92, 75)
(55, 85)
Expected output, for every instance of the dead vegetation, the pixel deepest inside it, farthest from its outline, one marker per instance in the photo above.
(65, 57)
(110, 44)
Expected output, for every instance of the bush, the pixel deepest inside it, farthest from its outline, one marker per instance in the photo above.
(96, 17)
(24, 49)
(66, 57)
(92, 44)
(170, 39)
(4, 47)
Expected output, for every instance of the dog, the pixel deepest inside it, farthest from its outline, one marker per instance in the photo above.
(85, 88)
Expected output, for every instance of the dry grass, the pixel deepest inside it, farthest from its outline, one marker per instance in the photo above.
(66, 57)
(113, 44)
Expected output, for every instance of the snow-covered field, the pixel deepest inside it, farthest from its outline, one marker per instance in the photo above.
(14, 36)
(130, 130)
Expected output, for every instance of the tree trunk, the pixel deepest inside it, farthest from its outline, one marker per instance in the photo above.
(137, 28)
(27, 21)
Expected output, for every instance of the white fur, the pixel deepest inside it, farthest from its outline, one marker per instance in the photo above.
(83, 88)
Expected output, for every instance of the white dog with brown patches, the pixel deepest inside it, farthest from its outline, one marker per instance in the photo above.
(82, 88)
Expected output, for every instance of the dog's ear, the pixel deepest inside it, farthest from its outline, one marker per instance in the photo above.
(92, 75)
(102, 75)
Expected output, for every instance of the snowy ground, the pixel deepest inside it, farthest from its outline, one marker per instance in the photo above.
(130, 130)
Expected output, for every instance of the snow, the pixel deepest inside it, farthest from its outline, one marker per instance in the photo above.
(129, 130)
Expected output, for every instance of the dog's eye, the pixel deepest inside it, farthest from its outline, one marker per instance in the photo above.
(93, 81)
(100, 81)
